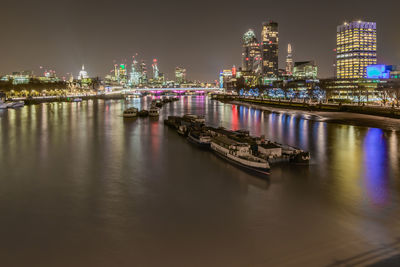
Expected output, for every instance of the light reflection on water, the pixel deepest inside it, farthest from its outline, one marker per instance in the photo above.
(96, 181)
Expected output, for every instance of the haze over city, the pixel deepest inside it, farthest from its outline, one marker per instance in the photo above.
(204, 37)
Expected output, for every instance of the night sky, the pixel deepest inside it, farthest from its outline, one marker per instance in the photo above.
(203, 36)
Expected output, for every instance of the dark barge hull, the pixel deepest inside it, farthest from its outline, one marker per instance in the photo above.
(255, 171)
(192, 140)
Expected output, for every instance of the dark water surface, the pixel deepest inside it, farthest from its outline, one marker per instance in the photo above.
(81, 186)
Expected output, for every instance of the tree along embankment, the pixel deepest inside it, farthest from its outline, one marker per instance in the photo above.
(390, 112)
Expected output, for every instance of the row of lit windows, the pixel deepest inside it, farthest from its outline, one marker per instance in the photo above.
(356, 42)
(346, 64)
(348, 36)
(348, 70)
(350, 46)
(356, 38)
(343, 62)
(351, 76)
(353, 36)
(355, 33)
(355, 63)
(356, 59)
(357, 52)
(366, 31)
(341, 35)
(351, 68)
(362, 66)
(357, 55)
(371, 46)
(342, 71)
(351, 42)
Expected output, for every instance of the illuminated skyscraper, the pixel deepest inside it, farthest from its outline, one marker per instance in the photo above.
(121, 75)
(122, 70)
(143, 71)
(180, 75)
(116, 72)
(269, 49)
(251, 55)
(356, 49)
(289, 61)
(155, 70)
(134, 76)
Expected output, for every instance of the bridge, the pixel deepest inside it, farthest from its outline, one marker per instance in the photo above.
(162, 90)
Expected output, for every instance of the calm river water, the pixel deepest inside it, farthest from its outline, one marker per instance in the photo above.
(81, 186)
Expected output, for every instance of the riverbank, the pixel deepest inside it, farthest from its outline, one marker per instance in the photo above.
(348, 118)
(388, 112)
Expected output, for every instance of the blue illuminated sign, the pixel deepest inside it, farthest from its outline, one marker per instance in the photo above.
(378, 72)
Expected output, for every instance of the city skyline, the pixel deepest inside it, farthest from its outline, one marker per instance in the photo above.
(217, 40)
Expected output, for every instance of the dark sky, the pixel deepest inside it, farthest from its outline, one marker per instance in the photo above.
(203, 36)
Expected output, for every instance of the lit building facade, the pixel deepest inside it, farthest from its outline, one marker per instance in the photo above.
(356, 49)
(269, 49)
(305, 70)
(251, 55)
(352, 90)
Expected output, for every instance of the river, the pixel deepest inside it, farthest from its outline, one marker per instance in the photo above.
(81, 186)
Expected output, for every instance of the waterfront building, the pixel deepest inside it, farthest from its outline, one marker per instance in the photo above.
(305, 70)
(251, 54)
(352, 90)
(269, 49)
(289, 61)
(227, 80)
(83, 74)
(20, 77)
(180, 75)
(247, 79)
(355, 50)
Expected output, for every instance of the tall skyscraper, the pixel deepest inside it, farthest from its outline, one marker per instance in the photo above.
(251, 55)
(121, 75)
(289, 61)
(143, 72)
(180, 75)
(269, 49)
(135, 73)
(356, 49)
(155, 70)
